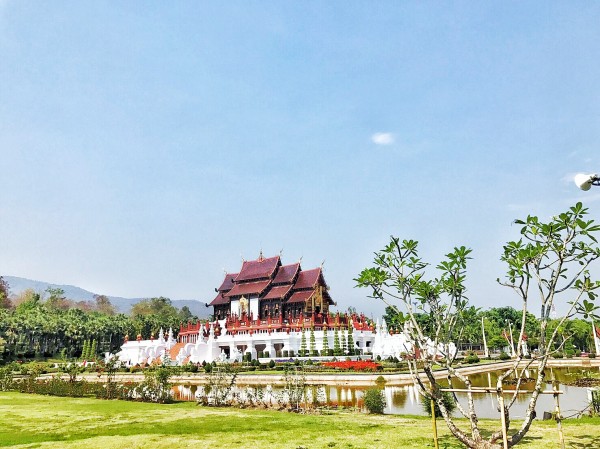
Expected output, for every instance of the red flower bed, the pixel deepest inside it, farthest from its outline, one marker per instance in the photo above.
(355, 365)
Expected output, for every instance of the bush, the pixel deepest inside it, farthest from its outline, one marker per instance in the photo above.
(448, 401)
(472, 358)
(286, 353)
(191, 368)
(374, 401)
(592, 355)
(504, 356)
(558, 355)
(271, 363)
(208, 368)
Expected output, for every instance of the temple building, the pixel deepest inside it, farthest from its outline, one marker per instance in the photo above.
(264, 288)
(269, 310)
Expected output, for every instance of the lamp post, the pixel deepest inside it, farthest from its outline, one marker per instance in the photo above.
(585, 182)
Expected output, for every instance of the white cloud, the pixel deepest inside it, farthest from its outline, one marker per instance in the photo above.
(383, 138)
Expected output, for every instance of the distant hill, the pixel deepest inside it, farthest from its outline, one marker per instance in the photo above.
(123, 305)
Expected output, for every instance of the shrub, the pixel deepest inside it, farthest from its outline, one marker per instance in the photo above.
(504, 356)
(374, 401)
(286, 353)
(558, 355)
(208, 368)
(271, 363)
(592, 355)
(448, 401)
(472, 358)
(191, 368)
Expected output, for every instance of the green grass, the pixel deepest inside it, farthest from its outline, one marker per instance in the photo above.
(31, 421)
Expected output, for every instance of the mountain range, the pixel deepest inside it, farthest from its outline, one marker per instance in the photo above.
(123, 305)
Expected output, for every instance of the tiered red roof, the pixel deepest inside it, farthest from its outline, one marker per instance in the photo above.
(227, 283)
(219, 299)
(278, 292)
(308, 279)
(300, 296)
(258, 269)
(248, 288)
(286, 274)
(269, 279)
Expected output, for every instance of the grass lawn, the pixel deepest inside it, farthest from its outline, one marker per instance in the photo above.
(31, 421)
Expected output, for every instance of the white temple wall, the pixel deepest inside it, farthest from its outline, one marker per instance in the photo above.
(254, 306)
(235, 307)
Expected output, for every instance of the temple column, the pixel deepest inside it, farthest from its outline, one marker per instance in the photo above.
(251, 349)
(269, 348)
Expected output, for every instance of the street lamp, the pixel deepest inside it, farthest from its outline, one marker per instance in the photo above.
(585, 182)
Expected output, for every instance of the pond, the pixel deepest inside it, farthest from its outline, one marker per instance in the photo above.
(406, 400)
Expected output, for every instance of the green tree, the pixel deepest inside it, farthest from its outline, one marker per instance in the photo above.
(56, 299)
(93, 351)
(312, 341)
(103, 305)
(337, 350)
(303, 349)
(185, 314)
(550, 261)
(5, 302)
(350, 340)
(325, 349)
(85, 350)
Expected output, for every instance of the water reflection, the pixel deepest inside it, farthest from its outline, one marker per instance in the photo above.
(406, 399)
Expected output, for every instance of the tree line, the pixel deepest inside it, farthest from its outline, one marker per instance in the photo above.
(499, 322)
(39, 325)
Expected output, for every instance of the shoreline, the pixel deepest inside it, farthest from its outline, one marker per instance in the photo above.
(345, 379)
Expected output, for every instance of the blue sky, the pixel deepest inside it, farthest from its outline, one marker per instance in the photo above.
(147, 146)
